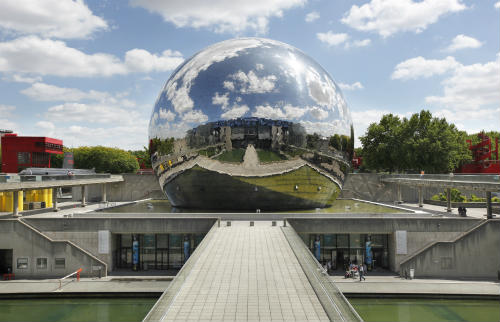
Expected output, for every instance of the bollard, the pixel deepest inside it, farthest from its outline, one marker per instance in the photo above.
(228, 224)
(284, 222)
(274, 223)
(251, 224)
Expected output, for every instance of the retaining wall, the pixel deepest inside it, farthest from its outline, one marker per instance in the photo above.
(473, 255)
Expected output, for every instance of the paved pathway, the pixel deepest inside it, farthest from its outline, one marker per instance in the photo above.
(246, 274)
(397, 285)
(250, 159)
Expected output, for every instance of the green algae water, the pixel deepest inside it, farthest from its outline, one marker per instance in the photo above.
(76, 310)
(135, 309)
(429, 310)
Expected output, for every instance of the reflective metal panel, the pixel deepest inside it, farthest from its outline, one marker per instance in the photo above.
(251, 123)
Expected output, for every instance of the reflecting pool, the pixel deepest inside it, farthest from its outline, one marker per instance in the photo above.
(339, 206)
(135, 309)
(429, 310)
(76, 310)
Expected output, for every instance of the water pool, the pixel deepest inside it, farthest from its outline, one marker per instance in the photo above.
(135, 309)
(339, 206)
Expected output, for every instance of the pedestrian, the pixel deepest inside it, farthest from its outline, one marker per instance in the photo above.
(361, 273)
(329, 266)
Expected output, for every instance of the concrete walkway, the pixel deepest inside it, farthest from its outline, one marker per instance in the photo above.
(156, 284)
(397, 285)
(246, 274)
(441, 210)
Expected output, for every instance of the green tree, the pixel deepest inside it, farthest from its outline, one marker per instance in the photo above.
(421, 142)
(100, 158)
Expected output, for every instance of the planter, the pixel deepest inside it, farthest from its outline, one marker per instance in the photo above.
(461, 204)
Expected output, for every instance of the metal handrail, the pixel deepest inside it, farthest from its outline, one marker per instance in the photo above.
(174, 287)
(77, 272)
(325, 287)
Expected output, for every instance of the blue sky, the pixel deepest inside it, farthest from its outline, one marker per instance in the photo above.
(89, 72)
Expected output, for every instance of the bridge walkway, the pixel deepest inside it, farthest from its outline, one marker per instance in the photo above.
(242, 273)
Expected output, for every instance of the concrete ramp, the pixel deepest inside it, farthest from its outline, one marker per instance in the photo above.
(241, 273)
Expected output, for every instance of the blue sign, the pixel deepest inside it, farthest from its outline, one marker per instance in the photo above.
(317, 250)
(186, 250)
(135, 252)
(369, 254)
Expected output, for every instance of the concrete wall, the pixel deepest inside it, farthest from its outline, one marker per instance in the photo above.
(367, 186)
(28, 243)
(134, 187)
(473, 255)
(84, 231)
(421, 232)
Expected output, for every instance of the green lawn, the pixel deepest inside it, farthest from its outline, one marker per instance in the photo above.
(235, 155)
(269, 156)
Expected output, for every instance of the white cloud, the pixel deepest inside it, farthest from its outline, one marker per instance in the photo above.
(47, 126)
(6, 124)
(471, 87)
(141, 60)
(6, 110)
(51, 93)
(167, 115)
(359, 43)
(351, 87)
(53, 57)
(232, 16)
(332, 39)
(21, 79)
(194, 116)
(318, 113)
(235, 112)
(50, 18)
(222, 100)
(293, 112)
(387, 17)
(92, 113)
(251, 83)
(497, 5)
(179, 86)
(462, 42)
(420, 67)
(128, 137)
(312, 16)
(287, 112)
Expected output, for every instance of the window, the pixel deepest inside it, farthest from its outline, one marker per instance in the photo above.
(60, 263)
(41, 263)
(23, 157)
(22, 263)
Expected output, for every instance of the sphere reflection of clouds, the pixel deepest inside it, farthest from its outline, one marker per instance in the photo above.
(250, 77)
(251, 123)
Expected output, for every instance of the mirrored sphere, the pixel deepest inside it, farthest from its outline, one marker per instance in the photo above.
(251, 123)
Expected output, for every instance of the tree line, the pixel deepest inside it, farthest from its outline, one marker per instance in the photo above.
(418, 143)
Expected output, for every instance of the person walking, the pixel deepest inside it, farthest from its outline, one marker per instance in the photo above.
(361, 273)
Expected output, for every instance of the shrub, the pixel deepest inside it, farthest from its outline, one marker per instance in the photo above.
(100, 158)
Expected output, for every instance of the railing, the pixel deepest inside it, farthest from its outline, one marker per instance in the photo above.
(476, 178)
(161, 307)
(336, 306)
(77, 272)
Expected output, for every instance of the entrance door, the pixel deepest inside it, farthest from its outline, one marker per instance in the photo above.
(5, 261)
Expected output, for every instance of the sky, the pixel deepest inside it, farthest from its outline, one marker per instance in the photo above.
(89, 72)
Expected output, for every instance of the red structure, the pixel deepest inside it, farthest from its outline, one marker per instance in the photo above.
(21, 152)
(356, 161)
(485, 158)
